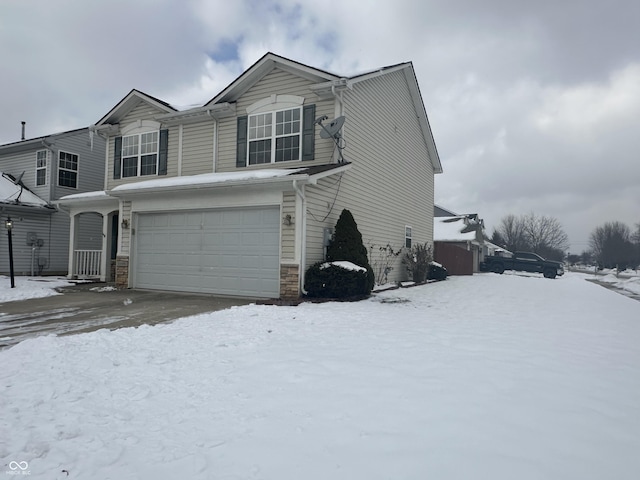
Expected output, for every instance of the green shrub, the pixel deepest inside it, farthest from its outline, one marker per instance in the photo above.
(331, 281)
(347, 245)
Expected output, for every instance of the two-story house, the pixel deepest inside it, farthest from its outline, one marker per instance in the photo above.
(240, 196)
(34, 174)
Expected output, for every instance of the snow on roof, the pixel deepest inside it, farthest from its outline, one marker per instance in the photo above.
(18, 195)
(451, 231)
(86, 195)
(208, 178)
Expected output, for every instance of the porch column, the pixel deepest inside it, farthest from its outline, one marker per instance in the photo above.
(105, 242)
(72, 246)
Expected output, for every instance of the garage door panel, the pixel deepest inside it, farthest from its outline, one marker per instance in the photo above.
(226, 251)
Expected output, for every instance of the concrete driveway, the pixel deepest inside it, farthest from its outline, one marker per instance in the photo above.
(90, 306)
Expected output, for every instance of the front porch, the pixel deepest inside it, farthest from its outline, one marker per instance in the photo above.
(93, 239)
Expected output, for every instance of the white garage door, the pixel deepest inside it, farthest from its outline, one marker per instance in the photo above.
(233, 251)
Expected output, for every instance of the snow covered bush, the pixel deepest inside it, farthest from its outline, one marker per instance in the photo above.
(417, 261)
(339, 279)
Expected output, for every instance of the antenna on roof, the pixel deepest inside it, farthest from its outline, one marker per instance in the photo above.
(332, 130)
(18, 181)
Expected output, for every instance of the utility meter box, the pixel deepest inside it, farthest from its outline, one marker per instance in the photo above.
(32, 238)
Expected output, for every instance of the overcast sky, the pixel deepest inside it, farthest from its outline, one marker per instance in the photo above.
(534, 106)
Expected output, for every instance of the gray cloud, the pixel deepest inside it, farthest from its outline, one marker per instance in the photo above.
(534, 106)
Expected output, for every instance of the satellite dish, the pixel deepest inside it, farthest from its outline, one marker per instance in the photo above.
(332, 130)
(18, 180)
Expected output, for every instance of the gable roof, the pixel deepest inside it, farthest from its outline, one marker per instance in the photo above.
(264, 66)
(326, 83)
(131, 101)
(38, 142)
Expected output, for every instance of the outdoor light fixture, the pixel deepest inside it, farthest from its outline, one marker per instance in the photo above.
(9, 225)
(125, 223)
(287, 220)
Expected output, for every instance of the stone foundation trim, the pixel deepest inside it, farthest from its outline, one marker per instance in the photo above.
(122, 272)
(289, 281)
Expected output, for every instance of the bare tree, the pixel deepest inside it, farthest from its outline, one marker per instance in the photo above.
(539, 234)
(635, 238)
(510, 232)
(545, 236)
(612, 246)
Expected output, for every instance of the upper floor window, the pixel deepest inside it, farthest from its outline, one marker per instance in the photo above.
(142, 151)
(140, 154)
(278, 128)
(67, 169)
(42, 167)
(275, 136)
(407, 236)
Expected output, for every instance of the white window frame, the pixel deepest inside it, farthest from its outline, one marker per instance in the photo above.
(65, 169)
(139, 154)
(270, 133)
(408, 236)
(44, 167)
(271, 105)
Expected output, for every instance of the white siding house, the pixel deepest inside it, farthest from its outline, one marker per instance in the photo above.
(237, 197)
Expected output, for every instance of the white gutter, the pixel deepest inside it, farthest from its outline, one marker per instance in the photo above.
(303, 235)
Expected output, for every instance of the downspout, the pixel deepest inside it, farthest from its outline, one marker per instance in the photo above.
(303, 235)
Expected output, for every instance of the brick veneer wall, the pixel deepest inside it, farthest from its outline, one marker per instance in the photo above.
(122, 272)
(289, 286)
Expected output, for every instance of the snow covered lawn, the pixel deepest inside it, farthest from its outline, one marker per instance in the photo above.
(30, 287)
(483, 377)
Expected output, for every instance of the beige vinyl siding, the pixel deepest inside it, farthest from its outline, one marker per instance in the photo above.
(288, 231)
(144, 111)
(390, 184)
(126, 233)
(277, 82)
(197, 148)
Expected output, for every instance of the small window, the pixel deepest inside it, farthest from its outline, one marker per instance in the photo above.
(42, 167)
(68, 170)
(407, 236)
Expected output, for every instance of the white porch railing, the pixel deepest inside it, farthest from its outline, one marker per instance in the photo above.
(87, 263)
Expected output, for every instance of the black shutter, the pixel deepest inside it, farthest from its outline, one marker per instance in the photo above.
(241, 149)
(162, 153)
(308, 132)
(117, 157)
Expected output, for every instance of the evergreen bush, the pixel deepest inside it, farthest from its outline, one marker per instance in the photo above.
(347, 244)
(325, 280)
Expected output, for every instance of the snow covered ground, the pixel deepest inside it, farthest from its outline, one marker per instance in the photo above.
(487, 377)
(29, 287)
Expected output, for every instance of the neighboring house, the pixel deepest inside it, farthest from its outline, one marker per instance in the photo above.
(439, 211)
(459, 243)
(35, 173)
(240, 196)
